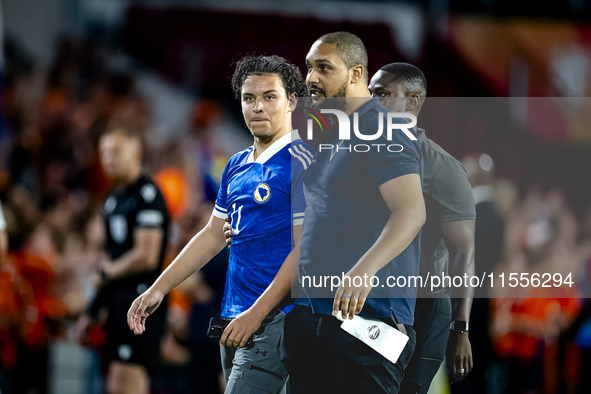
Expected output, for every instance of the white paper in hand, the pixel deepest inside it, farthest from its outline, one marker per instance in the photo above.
(376, 334)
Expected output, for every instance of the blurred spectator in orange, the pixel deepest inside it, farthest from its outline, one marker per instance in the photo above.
(40, 310)
(212, 141)
(542, 237)
(172, 173)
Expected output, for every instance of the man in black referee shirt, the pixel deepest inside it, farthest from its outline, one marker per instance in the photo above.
(136, 223)
(447, 239)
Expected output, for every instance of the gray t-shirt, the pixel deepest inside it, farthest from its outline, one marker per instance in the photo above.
(448, 198)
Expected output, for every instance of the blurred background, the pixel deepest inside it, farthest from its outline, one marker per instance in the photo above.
(70, 66)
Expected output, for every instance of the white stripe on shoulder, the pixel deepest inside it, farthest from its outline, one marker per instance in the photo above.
(298, 222)
(304, 152)
(299, 158)
(219, 215)
(298, 215)
(220, 208)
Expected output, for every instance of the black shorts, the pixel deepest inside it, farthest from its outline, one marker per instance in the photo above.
(122, 344)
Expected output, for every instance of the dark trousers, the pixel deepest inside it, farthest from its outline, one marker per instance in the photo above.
(322, 358)
(432, 320)
(490, 373)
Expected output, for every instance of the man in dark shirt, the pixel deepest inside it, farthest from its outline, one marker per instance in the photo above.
(136, 224)
(363, 217)
(446, 237)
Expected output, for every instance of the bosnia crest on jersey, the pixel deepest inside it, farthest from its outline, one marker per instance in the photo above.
(262, 193)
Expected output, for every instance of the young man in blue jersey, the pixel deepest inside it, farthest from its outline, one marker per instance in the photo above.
(363, 218)
(261, 194)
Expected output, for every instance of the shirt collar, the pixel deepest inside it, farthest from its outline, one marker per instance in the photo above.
(331, 119)
(372, 102)
(422, 136)
(274, 148)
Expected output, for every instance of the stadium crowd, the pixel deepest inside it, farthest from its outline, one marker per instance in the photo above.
(53, 188)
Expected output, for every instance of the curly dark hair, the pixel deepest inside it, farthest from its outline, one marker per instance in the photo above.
(290, 74)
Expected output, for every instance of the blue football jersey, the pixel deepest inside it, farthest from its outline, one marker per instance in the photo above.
(263, 199)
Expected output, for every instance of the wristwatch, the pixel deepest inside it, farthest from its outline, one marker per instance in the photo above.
(459, 326)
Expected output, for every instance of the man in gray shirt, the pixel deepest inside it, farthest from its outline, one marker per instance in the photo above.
(447, 237)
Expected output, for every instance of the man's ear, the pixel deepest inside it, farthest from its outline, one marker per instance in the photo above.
(413, 102)
(357, 73)
(293, 102)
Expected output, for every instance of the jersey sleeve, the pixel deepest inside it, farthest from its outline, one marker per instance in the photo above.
(453, 192)
(152, 211)
(395, 158)
(220, 209)
(301, 158)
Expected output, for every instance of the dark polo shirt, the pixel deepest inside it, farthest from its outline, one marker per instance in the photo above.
(345, 215)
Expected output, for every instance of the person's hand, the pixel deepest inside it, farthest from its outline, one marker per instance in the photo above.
(241, 328)
(142, 307)
(458, 356)
(227, 229)
(349, 299)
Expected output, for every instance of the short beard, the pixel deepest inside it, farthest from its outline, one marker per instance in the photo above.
(337, 101)
(342, 92)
